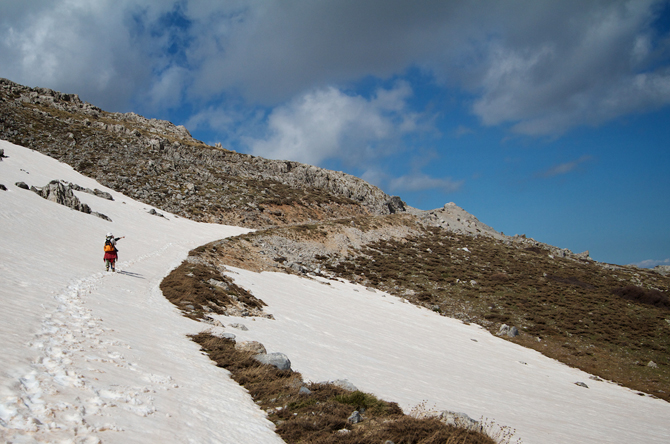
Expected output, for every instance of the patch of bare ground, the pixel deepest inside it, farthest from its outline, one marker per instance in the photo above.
(611, 321)
(198, 288)
(320, 413)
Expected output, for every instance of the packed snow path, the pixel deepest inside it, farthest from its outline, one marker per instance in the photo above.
(90, 356)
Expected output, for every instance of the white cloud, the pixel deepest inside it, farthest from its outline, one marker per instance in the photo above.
(564, 168)
(329, 124)
(651, 263)
(539, 67)
(421, 182)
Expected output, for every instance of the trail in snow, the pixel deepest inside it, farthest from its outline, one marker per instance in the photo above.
(89, 356)
(60, 394)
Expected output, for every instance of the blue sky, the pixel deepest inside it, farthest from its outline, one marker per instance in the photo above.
(549, 119)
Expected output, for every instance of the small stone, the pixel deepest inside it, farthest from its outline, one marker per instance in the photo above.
(230, 336)
(504, 329)
(22, 185)
(581, 384)
(652, 364)
(239, 327)
(355, 417)
(304, 391)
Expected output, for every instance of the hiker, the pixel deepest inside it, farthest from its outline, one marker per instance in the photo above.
(111, 253)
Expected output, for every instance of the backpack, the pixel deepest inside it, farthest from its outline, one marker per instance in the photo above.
(109, 248)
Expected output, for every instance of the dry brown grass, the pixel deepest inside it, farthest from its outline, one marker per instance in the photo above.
(190, 288)
(610, 323)
(321, 416)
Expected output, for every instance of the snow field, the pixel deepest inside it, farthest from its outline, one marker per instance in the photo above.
(334, 330)
(90, 356)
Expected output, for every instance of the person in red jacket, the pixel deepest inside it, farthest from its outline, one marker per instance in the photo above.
(111, 253)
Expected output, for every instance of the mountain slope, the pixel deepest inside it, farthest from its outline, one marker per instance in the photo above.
(161, 164)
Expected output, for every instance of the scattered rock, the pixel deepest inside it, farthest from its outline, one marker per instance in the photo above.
(595, 378)
(2, 154)
(239, 326)
(355, 417)
(101, 216)
(581, 384)
(252, 346)
(210, 320)
(2, 187)
(344, 384)
(304, 391)
(153, 212)
(227, 336)
(652, 364)
(458, 419)
(507, 330)
(279, 360)
(22, 185)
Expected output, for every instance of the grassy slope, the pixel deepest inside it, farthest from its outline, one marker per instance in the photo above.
(609, 321)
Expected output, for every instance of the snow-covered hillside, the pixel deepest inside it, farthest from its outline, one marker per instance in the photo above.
(89, 355)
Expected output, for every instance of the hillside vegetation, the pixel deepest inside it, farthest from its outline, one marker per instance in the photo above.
(611, 321)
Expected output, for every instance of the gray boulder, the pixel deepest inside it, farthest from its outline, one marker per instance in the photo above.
(355, 417)
(279, 360)
(22, 185)
(56, 192)
(344, 384)
(2, 187)
(251, 346)
(506, 330)
(2, 154)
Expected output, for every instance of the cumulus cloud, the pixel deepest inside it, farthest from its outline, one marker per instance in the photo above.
(72, 46)
(327, 123)
(421, 182)
(535, 67)
(651, 263)
(564, 168)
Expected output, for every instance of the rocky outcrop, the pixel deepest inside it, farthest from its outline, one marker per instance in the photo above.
(57, 192)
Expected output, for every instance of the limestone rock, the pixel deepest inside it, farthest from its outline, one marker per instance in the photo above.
(56, 192)
(506, 330)
(239, 326)
(344, 384)
(355, 417)
(251, 346)
(279, 360)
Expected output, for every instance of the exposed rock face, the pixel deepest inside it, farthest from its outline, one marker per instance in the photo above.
(56, 192)
(161, 164)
